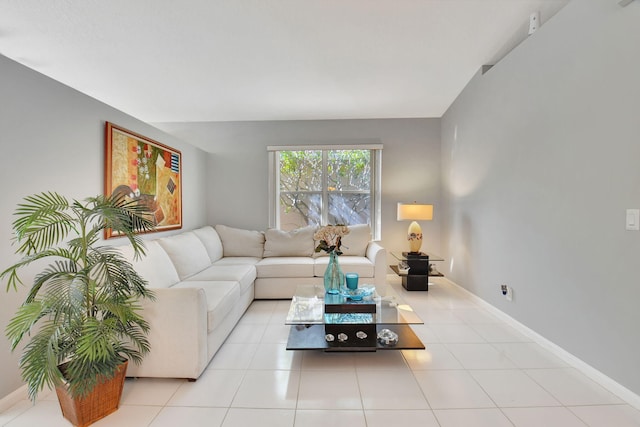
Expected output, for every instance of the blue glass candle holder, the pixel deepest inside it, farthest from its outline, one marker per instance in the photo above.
(352, 280)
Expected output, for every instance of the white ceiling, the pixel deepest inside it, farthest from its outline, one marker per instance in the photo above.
(227, 60)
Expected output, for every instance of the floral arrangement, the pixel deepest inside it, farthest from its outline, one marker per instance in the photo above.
(330, 237)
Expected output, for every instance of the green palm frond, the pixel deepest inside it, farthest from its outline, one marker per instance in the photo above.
(60, 272)
(40, 360)
(42, 221)
(110, 268)
(94, 344)
(138, 337)
(23, 321)
(123, 216)
(11, 273)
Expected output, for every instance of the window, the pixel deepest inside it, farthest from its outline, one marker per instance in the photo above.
(318, 185)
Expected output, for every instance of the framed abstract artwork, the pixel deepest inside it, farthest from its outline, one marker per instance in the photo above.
(147, 171)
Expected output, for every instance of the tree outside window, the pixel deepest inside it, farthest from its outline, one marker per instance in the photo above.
(325, 186)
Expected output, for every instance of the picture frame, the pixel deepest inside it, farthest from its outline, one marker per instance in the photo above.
(144, 170)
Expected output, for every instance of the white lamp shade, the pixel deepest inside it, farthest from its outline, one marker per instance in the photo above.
(414, 212)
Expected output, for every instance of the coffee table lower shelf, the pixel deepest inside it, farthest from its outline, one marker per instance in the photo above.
(312, 337)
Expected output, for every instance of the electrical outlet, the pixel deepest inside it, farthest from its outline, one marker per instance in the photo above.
(509, 295)
(507, 291)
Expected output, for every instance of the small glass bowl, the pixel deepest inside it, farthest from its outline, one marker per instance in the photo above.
(387, 338)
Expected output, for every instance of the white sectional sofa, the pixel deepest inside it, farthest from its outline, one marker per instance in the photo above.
(205, 279)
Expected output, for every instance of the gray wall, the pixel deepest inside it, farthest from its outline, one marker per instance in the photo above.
(52, 138)
(541, 157)
(237, 193)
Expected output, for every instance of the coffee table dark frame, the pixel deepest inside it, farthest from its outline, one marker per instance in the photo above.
(311, 336)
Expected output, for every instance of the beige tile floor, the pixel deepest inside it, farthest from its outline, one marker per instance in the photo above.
(477, 371)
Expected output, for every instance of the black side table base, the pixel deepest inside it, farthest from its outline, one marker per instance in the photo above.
(415, 283)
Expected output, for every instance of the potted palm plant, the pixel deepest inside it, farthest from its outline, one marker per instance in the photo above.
(82, 312)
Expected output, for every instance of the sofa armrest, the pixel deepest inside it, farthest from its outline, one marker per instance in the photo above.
(177, 336)
(378, 256)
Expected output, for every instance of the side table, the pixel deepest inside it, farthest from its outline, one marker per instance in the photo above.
(419, 269)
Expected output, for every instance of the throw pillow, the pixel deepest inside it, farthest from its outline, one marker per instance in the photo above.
(355, 243)
(239, 242)
(297, 242)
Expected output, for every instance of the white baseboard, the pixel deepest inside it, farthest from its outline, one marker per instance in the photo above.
(12, 398)
(614, 387)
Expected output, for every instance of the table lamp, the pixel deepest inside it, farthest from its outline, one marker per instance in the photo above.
(414, 212)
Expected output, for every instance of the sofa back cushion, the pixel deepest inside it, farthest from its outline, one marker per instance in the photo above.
(156, 266)
(239, 242)
(280, 243)
(211, 241)
(187, 252)
(356, 242)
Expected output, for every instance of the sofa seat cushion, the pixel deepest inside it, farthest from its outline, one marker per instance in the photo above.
(238, 260)
(222, 296)
(187, 252)
(244, 274)
(285, 267)
(348, 264)
(155, 267)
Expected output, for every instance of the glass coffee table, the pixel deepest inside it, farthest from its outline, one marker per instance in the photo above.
(370, 319)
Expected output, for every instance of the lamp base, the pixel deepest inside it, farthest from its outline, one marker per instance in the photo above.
(414, 236)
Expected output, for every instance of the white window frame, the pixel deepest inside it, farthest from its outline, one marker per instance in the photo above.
(375, 187)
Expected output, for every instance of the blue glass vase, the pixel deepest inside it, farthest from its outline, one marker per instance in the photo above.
(333, 276)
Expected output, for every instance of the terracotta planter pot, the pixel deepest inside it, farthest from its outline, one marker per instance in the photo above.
(103, 400)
